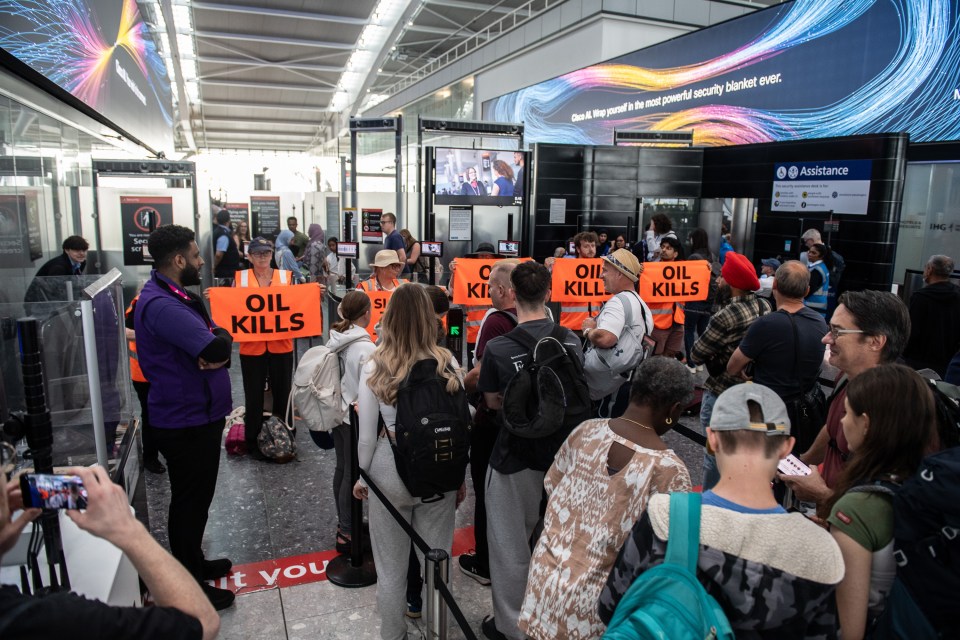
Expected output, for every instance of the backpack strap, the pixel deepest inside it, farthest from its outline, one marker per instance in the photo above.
(683, 544)
(523, 337)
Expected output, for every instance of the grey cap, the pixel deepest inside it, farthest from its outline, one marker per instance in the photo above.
(731, 413)
(259, 244)
(770, 262)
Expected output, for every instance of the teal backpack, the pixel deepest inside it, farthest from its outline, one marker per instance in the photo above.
(667, 602)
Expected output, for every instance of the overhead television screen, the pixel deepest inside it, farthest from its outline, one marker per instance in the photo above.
(101, 52)
(478, 176)
(798, 70)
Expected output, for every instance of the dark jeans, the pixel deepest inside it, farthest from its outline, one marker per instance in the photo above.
(695, 325)
(346, 449)
(146, 431)
(414, 579)
(193, 460)
(255, 369)
(482, 439)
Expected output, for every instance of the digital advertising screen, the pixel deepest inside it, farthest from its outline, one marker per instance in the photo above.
(102, 53)
(801, 69)
(478, 176)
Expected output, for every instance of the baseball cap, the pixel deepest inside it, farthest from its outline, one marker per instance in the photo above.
(385, 258)
(773, 263)
(485, 247)
(625, 262)
(259, 244)
(731, 412)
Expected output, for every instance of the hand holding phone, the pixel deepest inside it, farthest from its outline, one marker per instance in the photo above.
(52, 491)
(792, 466)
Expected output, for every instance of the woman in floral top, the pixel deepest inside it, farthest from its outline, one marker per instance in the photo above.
(598, 486)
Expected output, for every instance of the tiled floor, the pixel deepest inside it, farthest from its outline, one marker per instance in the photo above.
(265, 511)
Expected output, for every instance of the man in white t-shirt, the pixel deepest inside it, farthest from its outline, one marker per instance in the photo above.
(607, 334)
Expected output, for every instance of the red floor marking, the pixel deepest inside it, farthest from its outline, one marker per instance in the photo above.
(303, 569)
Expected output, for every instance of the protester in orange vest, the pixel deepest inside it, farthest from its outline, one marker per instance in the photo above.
(265, 359)
(668, 317)
(572, 314)
(473, 314)
(151, 456)
(386, 267)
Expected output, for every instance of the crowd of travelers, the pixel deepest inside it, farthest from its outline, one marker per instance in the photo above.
(827, 508)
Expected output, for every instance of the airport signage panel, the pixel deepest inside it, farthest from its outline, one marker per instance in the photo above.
(840, 186)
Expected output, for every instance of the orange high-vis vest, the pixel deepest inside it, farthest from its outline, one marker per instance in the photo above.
(572, 314)
(371, 284)
(666, 314)
(473, 317)
(249, 279)
(136, 373)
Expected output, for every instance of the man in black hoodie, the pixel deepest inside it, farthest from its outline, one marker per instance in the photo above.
(934, 318)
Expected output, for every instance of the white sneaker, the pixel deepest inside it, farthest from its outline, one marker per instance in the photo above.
(699, 368)
(691, 369)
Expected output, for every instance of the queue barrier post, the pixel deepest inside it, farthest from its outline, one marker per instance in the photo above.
(436, 570)
(356, 570)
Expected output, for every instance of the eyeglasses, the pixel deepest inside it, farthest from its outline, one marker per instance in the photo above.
(836, 332)
(261, 254)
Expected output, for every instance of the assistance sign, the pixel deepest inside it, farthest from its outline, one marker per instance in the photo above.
(254, 314)
(840, 186)
(685, 281)
(578, 280)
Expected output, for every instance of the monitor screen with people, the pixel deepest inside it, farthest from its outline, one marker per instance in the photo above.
(478, 176)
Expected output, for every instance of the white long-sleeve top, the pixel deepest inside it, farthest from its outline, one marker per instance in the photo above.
(370, 409)
(353, 358)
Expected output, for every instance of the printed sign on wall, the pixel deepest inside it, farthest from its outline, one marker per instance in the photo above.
(265, 211)
(371, 233)
(840, 186)
(139, 216)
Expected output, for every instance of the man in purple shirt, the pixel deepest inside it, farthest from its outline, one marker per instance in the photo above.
(185, 355)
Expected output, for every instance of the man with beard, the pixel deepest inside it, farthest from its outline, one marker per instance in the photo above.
(184, 355)
(737, 282)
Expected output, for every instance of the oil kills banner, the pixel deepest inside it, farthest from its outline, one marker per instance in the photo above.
(675, 281)
(267, 313)
(579, 281)
(140, 215)
(378, 304)
(471, 281)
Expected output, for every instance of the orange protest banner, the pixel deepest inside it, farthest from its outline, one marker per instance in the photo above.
(576, 280)
(378, 304)
(675, 281)
(470, 281)
(253, 314)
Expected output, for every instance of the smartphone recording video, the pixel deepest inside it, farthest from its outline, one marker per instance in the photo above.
(49, 491)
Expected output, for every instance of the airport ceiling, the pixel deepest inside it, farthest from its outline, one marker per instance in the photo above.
(274, 74)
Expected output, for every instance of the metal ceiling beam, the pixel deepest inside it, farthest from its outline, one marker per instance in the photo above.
(280, 64)
(279, 13)
(470, 6)
(441, 31)
(278, 86)
(261, 121)
(215, 133)
(232, 104)
(183, 103)
(293, 42)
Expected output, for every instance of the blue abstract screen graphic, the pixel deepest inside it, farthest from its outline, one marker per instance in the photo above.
(102, 52)
(803, 69)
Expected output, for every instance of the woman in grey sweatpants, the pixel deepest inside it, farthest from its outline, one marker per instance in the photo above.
(408, 332)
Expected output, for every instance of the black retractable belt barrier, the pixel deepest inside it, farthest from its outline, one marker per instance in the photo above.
(689, 433)
(439, 559)
(357, 570)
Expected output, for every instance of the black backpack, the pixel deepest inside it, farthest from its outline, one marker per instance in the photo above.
(550, 392)
(926, 541)
(432, 432)
(946, 397)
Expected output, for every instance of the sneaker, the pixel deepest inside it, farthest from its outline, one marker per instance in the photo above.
(154, 466)
(214, 569)
(691, 369)
(470, 566)
(219, 598)
(414, 609)
(489, 628)
(699, 368)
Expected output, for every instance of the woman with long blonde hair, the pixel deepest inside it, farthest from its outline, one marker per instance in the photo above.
(408, 336)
